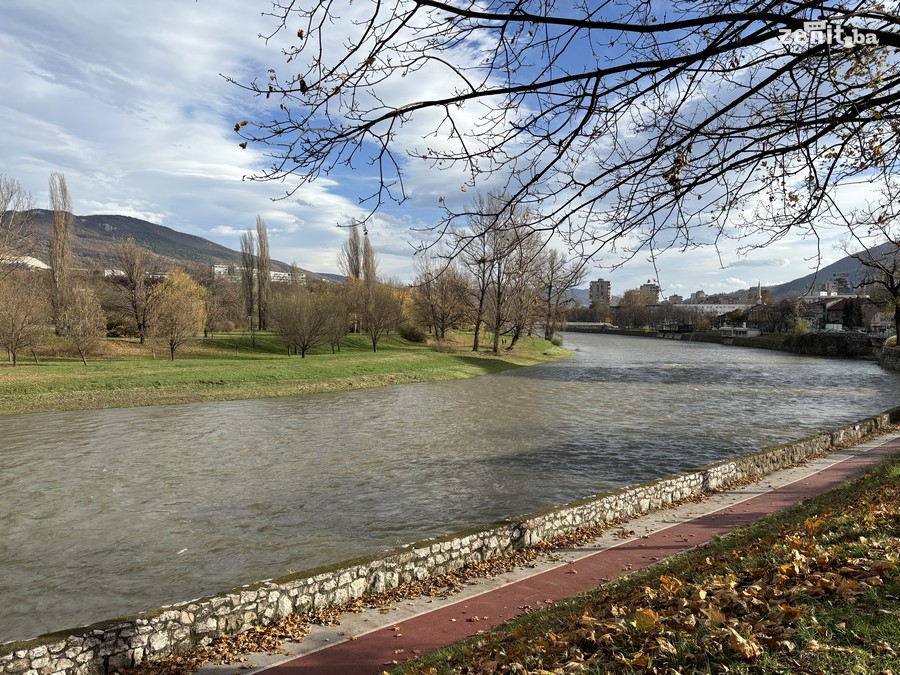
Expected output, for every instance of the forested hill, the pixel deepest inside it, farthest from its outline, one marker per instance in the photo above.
(95, 238)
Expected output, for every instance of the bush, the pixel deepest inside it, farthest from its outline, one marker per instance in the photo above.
(891, 341)
(412, 332)
(119, 326)
(557, 340)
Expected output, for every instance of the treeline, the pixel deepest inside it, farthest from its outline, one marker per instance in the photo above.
(500, 278)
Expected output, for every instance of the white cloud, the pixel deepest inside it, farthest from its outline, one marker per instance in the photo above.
(127, 100)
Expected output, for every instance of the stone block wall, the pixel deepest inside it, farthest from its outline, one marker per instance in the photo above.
(890, 359)
(127, 642)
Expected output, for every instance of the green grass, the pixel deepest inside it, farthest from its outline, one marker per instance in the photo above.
(814, 590)
(229, 367)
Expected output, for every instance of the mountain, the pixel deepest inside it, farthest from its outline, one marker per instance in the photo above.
(95, 238)
(845, 266)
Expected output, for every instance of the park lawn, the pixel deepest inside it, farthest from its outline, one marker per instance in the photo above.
(228, 367)
(814, 589)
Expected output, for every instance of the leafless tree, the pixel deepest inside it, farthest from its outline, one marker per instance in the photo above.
(302, 318)
(248, 276)
(16, 215)
(524, 287)
(350, 259)
(626, 126)
(369, 264)
(442, 295)
(83, 321)
(263, 273)
(61, 233)
(222, 305)
(338, 317)
(139, 269)
(23, 314)
(476, 257)
(878, 254)
(380, 311)
(557, 276)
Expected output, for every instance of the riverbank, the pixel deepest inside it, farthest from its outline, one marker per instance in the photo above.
(228, 367)
(844, 345)
(440, 567)
(809, 589)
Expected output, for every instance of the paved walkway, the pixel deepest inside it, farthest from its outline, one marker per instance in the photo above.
(376, 640)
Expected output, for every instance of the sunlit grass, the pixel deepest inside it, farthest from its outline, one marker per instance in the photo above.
(232, 366)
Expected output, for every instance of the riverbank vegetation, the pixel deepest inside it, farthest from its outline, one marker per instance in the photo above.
(812, 589)
(233, 366)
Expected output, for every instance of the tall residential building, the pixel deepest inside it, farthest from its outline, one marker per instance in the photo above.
(651, 288)
(600, 291)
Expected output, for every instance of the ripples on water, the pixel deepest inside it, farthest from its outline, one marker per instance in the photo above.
(109, 512)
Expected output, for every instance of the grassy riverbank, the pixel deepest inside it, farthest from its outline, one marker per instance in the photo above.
(813, 589)
(229, 367)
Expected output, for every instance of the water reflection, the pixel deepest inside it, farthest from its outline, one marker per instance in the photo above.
(108, 512)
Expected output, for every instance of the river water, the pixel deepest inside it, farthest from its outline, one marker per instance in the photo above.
(109, 512)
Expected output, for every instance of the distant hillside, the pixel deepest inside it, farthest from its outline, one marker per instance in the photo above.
(845, 265)
(95, 238)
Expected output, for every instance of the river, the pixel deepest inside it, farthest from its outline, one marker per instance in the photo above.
(109, 512)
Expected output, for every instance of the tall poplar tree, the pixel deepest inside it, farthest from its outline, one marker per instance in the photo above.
(61, 232)
(263, 274)
(248, 274)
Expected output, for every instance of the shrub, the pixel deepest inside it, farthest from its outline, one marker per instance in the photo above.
(891, 341)
(557, 340)
(412, 332)
(119, 326)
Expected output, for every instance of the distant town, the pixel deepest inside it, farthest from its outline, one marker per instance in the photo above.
(830, 306)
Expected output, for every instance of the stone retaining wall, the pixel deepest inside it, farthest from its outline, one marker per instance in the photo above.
(890, 359)
(127, 642)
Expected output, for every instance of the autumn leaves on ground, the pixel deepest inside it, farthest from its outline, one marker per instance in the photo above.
(812, 590)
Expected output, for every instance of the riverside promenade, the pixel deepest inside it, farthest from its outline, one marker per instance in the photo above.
(377, 640)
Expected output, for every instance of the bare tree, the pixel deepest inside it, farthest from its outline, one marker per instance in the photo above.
(139, 268)
(350, 259)
(83, 321)
(248, 276)
(222, 305)
(880, 265)
(524, 287)
(302, 318)
(23, 315)
(512, 247)
(263, 273)
(177, 315)
(557, 277)
(627, 127)
(61, 233)
(442, 295)
(475, 256)
(380, 311)
(338, 317)
(369, 264)
(16, 215)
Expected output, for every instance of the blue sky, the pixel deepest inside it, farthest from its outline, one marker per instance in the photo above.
(128, 100)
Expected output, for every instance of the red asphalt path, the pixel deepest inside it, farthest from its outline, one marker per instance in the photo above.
(385, 648)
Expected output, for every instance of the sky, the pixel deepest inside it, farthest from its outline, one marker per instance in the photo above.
(129, 101)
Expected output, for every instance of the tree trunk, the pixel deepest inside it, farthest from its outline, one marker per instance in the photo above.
(517, 333)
